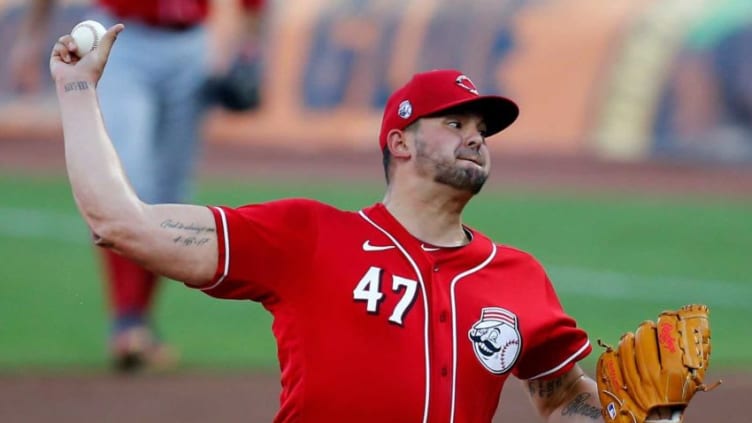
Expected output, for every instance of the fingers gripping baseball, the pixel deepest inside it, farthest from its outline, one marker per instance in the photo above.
(66, 65)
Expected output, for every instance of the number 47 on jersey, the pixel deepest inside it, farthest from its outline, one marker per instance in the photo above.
(369, 290)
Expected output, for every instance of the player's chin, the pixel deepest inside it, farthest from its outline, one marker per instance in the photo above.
(474, 168)
(472, 180)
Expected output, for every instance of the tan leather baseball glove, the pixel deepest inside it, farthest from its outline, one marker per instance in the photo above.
(653, 373)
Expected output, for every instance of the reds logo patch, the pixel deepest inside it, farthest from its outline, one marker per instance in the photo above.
(496, 339)
(405, 109)
(465, 82)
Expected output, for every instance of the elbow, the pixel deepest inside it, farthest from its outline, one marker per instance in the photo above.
(112, 226)
(112, 231)
(108, 233)
(100, 241)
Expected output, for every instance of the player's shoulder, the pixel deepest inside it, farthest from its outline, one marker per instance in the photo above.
(512, 251)
(518, 256)
(508, 254)
(296, 208)
(300, 203)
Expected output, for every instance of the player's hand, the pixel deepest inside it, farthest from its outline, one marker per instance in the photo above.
(66, 66)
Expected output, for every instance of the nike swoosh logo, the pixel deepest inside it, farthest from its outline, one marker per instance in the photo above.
(429, 249)
(368, 247)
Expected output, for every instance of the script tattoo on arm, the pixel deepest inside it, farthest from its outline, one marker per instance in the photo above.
(190, 234)
(579, 406)
(76, 86)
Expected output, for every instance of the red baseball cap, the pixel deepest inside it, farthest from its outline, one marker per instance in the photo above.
(432, 92)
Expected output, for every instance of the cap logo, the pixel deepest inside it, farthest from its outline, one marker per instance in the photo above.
(465, 82)
(405, 109)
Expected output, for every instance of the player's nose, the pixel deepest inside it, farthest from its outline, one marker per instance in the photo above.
(474, 138)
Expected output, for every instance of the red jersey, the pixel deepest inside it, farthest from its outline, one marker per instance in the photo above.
(166, 12)
(372, 325)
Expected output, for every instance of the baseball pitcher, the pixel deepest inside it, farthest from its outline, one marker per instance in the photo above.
(397, 312)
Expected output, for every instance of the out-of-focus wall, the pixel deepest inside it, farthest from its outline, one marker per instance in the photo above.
(619, 80)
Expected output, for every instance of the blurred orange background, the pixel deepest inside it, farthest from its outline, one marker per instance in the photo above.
(591, 77)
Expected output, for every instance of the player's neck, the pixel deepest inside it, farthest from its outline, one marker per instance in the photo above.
(430, 216)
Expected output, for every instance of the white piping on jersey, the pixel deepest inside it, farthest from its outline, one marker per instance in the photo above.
(454, 323)
(564, 363)
(425, 309)
(226, 233)
(426, 248)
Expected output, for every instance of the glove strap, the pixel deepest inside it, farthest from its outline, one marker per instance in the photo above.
(706, 388)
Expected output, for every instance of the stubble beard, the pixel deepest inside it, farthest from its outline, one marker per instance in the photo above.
(470, 179)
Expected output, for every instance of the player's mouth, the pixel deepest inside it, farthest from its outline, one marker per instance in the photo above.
(476, 160)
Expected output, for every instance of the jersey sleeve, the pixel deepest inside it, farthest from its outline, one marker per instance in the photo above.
(262, 248)
(559, 343)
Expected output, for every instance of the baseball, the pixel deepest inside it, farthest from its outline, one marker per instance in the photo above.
(87, 35)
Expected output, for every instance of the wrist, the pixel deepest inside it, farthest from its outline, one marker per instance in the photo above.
(68, 85)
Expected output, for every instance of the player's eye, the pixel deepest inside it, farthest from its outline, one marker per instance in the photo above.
(455, 124)
(482, 128)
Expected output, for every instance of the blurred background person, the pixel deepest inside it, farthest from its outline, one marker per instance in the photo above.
(170, 70)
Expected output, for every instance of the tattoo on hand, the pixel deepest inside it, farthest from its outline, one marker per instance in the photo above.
(579, 406)
(76, 86)
(544, 388)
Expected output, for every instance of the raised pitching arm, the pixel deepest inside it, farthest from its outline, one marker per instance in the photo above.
(177, 241)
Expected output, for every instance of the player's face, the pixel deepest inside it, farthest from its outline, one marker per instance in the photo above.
(452, 150)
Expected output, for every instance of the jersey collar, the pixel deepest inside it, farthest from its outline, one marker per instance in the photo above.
(479, 243)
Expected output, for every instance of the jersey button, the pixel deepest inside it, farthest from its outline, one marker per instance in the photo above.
(436, 268)
(443, 316)
(444, 371)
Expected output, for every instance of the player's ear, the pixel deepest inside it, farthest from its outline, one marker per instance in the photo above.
(396, 141)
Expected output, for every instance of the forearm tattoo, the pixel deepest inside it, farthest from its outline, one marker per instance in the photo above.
(579, 406)
(189, 235)
(76, 86)
(544, 388)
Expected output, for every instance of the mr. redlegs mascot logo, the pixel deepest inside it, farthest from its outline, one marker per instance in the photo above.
(496, 339)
